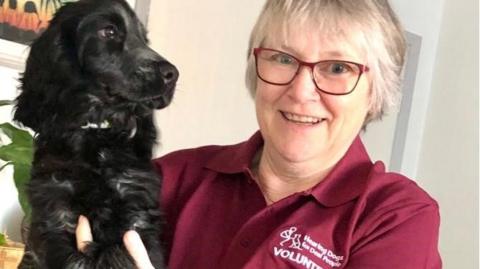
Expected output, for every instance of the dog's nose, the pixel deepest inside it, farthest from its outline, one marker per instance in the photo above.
(168, 72)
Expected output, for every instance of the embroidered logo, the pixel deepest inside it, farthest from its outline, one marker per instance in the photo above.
(302, 249)
(290, 236)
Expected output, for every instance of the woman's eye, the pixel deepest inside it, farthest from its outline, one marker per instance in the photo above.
(339, 68)
(283, 59)
(109, 32)
(336, 68)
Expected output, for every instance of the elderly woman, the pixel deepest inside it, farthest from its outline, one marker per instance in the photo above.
(302, 192)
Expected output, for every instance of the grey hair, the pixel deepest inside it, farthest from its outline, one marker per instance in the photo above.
(381, 39)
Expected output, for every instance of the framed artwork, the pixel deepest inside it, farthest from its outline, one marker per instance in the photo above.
(21, 21)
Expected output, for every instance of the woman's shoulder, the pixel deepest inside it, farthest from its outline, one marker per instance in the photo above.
(393, 198)
(218, 158)
(395, 215)
(195, 159)
(393, 188)
(190, 155)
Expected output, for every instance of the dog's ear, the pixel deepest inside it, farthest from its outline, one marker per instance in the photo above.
(37, 83)
(48, 71)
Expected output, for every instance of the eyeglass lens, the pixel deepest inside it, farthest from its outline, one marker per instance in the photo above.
(330, 76)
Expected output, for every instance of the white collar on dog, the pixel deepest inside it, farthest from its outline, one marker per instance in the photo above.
(103, 125)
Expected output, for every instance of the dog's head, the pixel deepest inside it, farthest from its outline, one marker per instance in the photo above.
(93, 51)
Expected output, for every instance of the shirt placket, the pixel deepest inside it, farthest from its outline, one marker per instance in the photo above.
(247, 241)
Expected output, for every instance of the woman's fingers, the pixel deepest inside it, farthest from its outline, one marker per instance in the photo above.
(83, 233)
(131, 239)
(137, 250)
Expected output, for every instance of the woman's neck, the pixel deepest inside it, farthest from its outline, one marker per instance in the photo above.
(279, 178)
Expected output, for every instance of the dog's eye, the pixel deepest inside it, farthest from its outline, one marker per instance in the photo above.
(109, 32)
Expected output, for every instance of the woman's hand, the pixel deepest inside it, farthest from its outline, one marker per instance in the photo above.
(131, 239)
(137, 250)
(83, 233)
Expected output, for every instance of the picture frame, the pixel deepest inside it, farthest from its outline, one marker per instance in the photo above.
(390, 138)
(399, 159)
(14, 54)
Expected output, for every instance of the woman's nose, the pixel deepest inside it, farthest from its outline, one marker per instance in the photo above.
(303, 88)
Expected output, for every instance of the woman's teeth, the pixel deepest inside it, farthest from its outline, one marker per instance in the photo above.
(300, 119)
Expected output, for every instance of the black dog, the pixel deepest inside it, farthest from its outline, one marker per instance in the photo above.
(89, 89)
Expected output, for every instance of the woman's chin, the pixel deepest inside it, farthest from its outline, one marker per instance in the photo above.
(299, 153)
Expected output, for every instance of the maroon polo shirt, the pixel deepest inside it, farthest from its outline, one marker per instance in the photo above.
(359, 216)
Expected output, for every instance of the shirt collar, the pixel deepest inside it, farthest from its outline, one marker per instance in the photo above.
(344, 183)
(236, 158)
(348, 178)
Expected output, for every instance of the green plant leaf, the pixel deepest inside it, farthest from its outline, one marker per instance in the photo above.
(21, 176)
(6, 102)
(3, 239)
(5, 165)
(20, 150)
(17, 135)
(19, 153)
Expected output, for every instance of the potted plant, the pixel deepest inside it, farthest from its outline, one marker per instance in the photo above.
(11, 253)
(18, 153)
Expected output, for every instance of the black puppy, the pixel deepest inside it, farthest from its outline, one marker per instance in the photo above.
(89, 89)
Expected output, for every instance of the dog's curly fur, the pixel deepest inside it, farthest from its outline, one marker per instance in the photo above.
(89, 90)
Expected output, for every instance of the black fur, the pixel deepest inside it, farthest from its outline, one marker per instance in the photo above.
(89, 90)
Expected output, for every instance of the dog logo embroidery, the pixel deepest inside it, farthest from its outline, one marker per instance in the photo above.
(290, 236)
(298, 247)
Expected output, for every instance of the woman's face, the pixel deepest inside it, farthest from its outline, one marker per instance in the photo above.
(300, 124)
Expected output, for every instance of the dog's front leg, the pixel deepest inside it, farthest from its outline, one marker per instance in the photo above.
(52, 228)
(59, 252)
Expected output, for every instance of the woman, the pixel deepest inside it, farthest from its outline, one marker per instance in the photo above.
(302, 192)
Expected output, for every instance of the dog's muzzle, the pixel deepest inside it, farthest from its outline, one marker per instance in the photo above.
(168, 76)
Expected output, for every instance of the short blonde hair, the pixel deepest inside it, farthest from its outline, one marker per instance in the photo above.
(382, 39)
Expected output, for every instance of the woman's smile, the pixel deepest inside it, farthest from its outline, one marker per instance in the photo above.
(300, 118)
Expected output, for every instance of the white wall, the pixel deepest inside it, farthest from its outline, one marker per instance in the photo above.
(448, 161)
(208, 44)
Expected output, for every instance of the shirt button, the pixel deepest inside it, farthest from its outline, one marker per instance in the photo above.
(245, 243)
